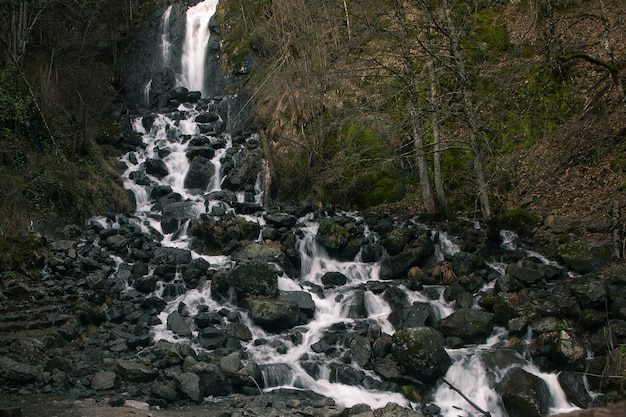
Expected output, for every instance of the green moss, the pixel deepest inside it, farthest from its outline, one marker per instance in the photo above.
(519, 219)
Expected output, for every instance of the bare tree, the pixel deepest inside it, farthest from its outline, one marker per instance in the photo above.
(475, 136)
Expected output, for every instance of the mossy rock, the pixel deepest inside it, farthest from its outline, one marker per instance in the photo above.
(584, 256)
(332, 236)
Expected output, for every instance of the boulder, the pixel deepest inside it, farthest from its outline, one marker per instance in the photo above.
(246, 278)
(573, 386)
(333, 279)
(178, 324)
(199, 175)
(273, 314)
(585, 256)
(133, 371)
(156, 167)
(280, 220)
(104, 380)
(523, 394)
(419, 350)
(468, 324)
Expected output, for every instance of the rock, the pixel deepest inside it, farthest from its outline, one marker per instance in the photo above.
(178, 324)
(280, 220)
(212, 338)
(231, 363)
(469, 325)
(305, 303)
(156, 167)
(199, 175)
(104, 380)
(17, 372)
(333, 279)
(207, 117)
(133, 371)
(419, 350)
(190, 386)
(246, 278)
(584, 256)
(273, 314)
(212, 379)
(573, 385)
(590, 293)
(571, 351)
(525, 271)
(396, 240)
(523, 394)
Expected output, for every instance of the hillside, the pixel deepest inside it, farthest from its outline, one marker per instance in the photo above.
(326, 87)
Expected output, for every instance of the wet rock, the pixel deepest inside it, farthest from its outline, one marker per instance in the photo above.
(260, 252)
(469, 325)
(333, 279)
(212, 338)
(196, 273)
(396, 240)
(201, 170)
(345, 374)
(246, 278)
(305, 303)
(156, 167)
(574, 388)
(280, 220)
(273, 314)
(419, 350)
(524, 394)
(178, 324)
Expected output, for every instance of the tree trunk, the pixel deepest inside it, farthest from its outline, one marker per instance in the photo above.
(440, 193)
(409, 80)
(269, 171)
(466, 92)
(422, 163)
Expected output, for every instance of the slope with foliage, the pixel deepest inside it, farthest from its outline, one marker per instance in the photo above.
(339, 90)
(60, 81)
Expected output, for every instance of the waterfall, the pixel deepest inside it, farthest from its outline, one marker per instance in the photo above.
(157, 173)
(166, 45)
(197, 35)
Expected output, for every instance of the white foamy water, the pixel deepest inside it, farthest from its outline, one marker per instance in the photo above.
(197, 36)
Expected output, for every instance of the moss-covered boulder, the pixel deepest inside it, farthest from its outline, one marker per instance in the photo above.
(246, 278)
(469, 325)
(420, 352)
(273, 314)
(584, 256)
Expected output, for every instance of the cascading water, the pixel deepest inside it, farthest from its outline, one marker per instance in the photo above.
(176, 175)
(197, 36)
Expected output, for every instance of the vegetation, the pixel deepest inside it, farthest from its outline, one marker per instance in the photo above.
(60, 80)
(506, 75)
(357, 103)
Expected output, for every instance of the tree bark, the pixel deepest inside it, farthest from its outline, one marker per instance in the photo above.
(466, 92)
(440, 192)
(409, 80)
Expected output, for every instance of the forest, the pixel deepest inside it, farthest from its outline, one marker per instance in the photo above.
(434, 106)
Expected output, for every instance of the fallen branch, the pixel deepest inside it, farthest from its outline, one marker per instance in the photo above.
(473, 404)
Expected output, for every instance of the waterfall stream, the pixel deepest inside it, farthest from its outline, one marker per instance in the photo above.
(168, 140)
